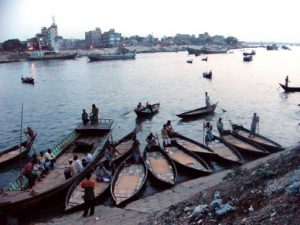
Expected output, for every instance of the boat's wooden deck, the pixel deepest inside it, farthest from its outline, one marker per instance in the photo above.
(11, 154)
(55, 177)
(77, 196)
(160, 166)
(239, 143)
(122, 149)
(191, 146)
(182, 158)
(129, 181)
(255, 138)
(222, 150)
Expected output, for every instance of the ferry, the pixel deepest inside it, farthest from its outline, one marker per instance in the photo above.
(47, 55)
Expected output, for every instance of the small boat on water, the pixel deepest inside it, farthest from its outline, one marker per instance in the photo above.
(227, 153)
(243, 146)
(193, 146)
(207, 75)
(27, 80)
(189, 61)
(128, 180)
(247, 58)
(74, 198)
(91, 138)
(120, 54)
(160, 165)
(204, 59)
(290, 89)
(14, 153)
(146, 111)
(187, 160)
(214, 49)
(272, 47)
(198, 112)
(253, 52)
(268, 144)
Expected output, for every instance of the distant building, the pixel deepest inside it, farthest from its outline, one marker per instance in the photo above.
(52, 35)
(218, 39)
(183, 39)
(111, 38)
(203, 38)
(94, 38)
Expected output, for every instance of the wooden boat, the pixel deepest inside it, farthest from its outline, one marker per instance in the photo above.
(27, 80)
(198, 112)
(160, 165)
(204, 59)
(91, 138)
(247, 58)
(193, 146)
(147, 112)
(14, 153)
(74, 198)
(189, 61)
(290, 89)
(188, 160)
(128, 180)
(227, 153)
(207, 75)
(243, 146)
(268, 144)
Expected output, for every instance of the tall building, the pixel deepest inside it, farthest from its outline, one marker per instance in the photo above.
(111, 38)
(52, 34)
(47, 37)
(94, 38)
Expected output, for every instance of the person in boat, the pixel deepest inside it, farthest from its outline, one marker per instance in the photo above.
(220, 126)
(136, 150)
(255, 121)
(151, 141)
(69, 170)
(44, 164)
(209, 135)
(149, 107)
(84, 117)
(88, 157)
(165, 136)
(207, 101)
(50, 157)
(140, 107)
(84, 162)
(77, 164)
(94, 114)
(109, 152)
(88, 185)
(30, 134)
(287, 81)
(170, 129)
(28, 172)
(102, 174)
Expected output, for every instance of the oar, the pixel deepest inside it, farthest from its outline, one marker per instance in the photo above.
(127, 112)
(203, 131)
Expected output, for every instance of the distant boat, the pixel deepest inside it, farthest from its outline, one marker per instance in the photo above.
(194, 51)
(146, 111)
(207, 75)
(290, 89)
(189, 61)
(285, 47)
(272, 47)
(204, 59)
(247, 58)
(47, 55)
(214, 49)
(198, 112)
(121, 53)
(253, 52)
(27, 80)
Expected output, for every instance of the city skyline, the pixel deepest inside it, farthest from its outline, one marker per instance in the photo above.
(259, 21)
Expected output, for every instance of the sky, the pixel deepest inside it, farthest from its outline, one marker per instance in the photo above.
(255, 20)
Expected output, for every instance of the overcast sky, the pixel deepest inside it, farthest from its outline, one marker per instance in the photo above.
(255, 20)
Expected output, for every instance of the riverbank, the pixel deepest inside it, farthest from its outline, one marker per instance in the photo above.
(8, 57)
(256, 193)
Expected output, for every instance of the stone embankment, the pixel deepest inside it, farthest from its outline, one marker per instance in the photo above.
(261, 192)
(6, 57)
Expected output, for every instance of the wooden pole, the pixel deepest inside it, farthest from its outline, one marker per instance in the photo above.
(21, 130)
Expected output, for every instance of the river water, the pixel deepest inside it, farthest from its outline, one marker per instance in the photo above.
(53, 105)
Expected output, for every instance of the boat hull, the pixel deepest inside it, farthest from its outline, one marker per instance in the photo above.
(143, 113)
(102, 57)
(68, 56)
(290, 89)
(194, 114)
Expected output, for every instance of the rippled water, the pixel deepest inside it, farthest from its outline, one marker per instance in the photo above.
(64, 87)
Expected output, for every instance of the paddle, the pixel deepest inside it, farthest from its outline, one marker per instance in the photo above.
(127, 113)
(203, 131)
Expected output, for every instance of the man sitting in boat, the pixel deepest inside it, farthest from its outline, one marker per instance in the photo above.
(30, 134)
(151, 140)
(165, 136)
(69, 170)
(50, 157)
(84, 117)
(94, 114)
(148, 107)
(102, 174)
(44, 164)
(170, 129)
(207, 101)
(28, 172)
(209, 135)
(255, 120)
(77, 164)
(140, 107)
(88, 157)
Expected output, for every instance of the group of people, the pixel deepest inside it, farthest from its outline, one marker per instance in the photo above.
(93, 115)
(210, 137)
(76, 165)
(140, 107)
(39, 166)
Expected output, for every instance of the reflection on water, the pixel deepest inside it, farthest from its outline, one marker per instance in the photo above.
(64, 87)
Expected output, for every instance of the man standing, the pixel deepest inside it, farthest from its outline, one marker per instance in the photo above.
(287, 81)
(220, 126)
(85, 117)
(94, 114)
(89, 195)
(207, 101)
(255, 120)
